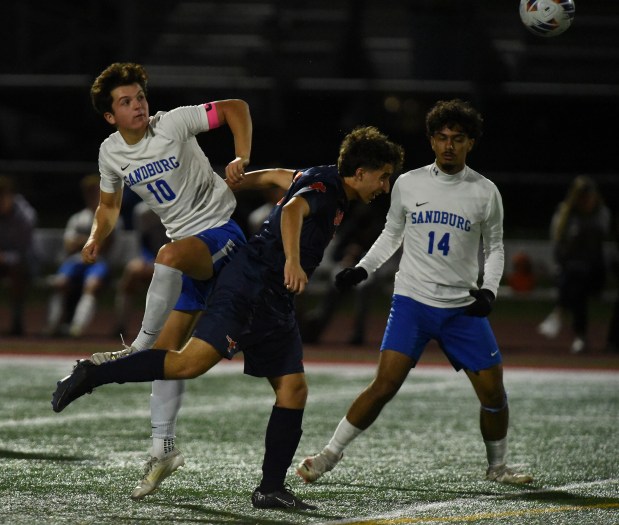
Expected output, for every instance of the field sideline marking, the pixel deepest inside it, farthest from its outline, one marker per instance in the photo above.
(482, 515)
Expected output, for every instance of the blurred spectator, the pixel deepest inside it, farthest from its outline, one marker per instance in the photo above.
(77, 284)
(255, 219)
(137, 273)
(17, 221)
(579, 228)
(612, 338)
(359, 229)
(521, 278)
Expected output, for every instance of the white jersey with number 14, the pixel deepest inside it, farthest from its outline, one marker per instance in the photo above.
(441, 219)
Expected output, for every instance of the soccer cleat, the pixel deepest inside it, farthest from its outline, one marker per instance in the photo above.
(75, 385)
(279, 499)
(103, 357)
(313, 467)
(551, 326)
(155, 471)
(579, 345)
(504, 474)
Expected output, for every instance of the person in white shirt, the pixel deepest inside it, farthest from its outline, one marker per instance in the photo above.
(439, 213)
(76, 286)
(159, 158)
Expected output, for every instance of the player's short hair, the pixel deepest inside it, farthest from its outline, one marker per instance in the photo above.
(115, 75)
(454, 113)
(367, 147)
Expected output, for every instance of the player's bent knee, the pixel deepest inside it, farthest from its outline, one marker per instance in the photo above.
(494, 408)
(383, 391)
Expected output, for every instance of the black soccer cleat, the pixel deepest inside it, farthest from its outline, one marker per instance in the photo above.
(75, 385)
(279, 499)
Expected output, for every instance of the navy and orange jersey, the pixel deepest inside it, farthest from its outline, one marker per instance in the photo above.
(323, 189)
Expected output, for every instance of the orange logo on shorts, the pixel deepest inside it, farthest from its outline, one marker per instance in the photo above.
(231, 344)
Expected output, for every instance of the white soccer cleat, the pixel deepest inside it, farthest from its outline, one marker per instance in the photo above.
(504, 474)
(103, 357)
(551, 326)
(155, 471)
(313, 467)
(579, 345)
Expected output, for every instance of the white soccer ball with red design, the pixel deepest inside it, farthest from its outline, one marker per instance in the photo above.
(547, 17)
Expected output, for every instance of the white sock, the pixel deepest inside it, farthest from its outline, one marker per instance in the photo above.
(343, 435)
(163, 292)
(496, 451)
(54, 313)
(120, 306)
(84, 312)
(165, 403)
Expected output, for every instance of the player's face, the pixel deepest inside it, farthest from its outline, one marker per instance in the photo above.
(129, 110)
(373, 183)
(451, 147)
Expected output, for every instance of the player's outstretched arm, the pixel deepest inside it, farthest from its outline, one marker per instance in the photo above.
(259, 179)
(106, 216)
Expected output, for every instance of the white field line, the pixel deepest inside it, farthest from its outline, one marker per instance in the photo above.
(406, 514)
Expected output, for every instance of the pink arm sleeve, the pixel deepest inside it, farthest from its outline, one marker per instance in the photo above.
(211, 115)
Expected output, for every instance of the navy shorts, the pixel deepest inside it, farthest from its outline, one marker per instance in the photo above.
(222, 242)
(245, 315)
(468, 342)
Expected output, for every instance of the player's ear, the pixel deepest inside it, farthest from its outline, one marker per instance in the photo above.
(359, 173)
(471, 144)
(109, 118)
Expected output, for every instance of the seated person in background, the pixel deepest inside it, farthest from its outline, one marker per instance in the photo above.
(17, 221)
(76, 280)
(271, 197)
(138, 271)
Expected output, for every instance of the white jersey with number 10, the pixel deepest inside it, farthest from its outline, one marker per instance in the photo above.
(171, 173)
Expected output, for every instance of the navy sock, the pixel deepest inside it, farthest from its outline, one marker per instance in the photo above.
(138, 367)
(281, 441)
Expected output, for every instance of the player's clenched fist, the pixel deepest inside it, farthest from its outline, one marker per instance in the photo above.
(350, 277)
(482, 305)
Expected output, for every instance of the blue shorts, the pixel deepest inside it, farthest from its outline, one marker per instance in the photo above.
(78, 271)
(468, 342)
(245, 315)
(222, 242)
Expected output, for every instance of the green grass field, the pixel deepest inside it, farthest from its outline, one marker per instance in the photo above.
(422, 462)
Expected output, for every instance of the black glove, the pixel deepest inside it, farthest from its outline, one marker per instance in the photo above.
(350, 277)
(482, 305)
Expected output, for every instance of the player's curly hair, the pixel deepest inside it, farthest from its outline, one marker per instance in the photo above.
(367, 147)
(117, 74)
(454, 113)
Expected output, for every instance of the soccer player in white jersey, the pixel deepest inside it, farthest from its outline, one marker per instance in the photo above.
(159, 158)
(440, 213)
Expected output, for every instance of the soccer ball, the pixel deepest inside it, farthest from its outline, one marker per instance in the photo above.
(547, 17)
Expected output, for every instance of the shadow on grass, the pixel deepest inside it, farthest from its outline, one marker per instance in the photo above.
(12, 454)
(211, 515)
(567, 498)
